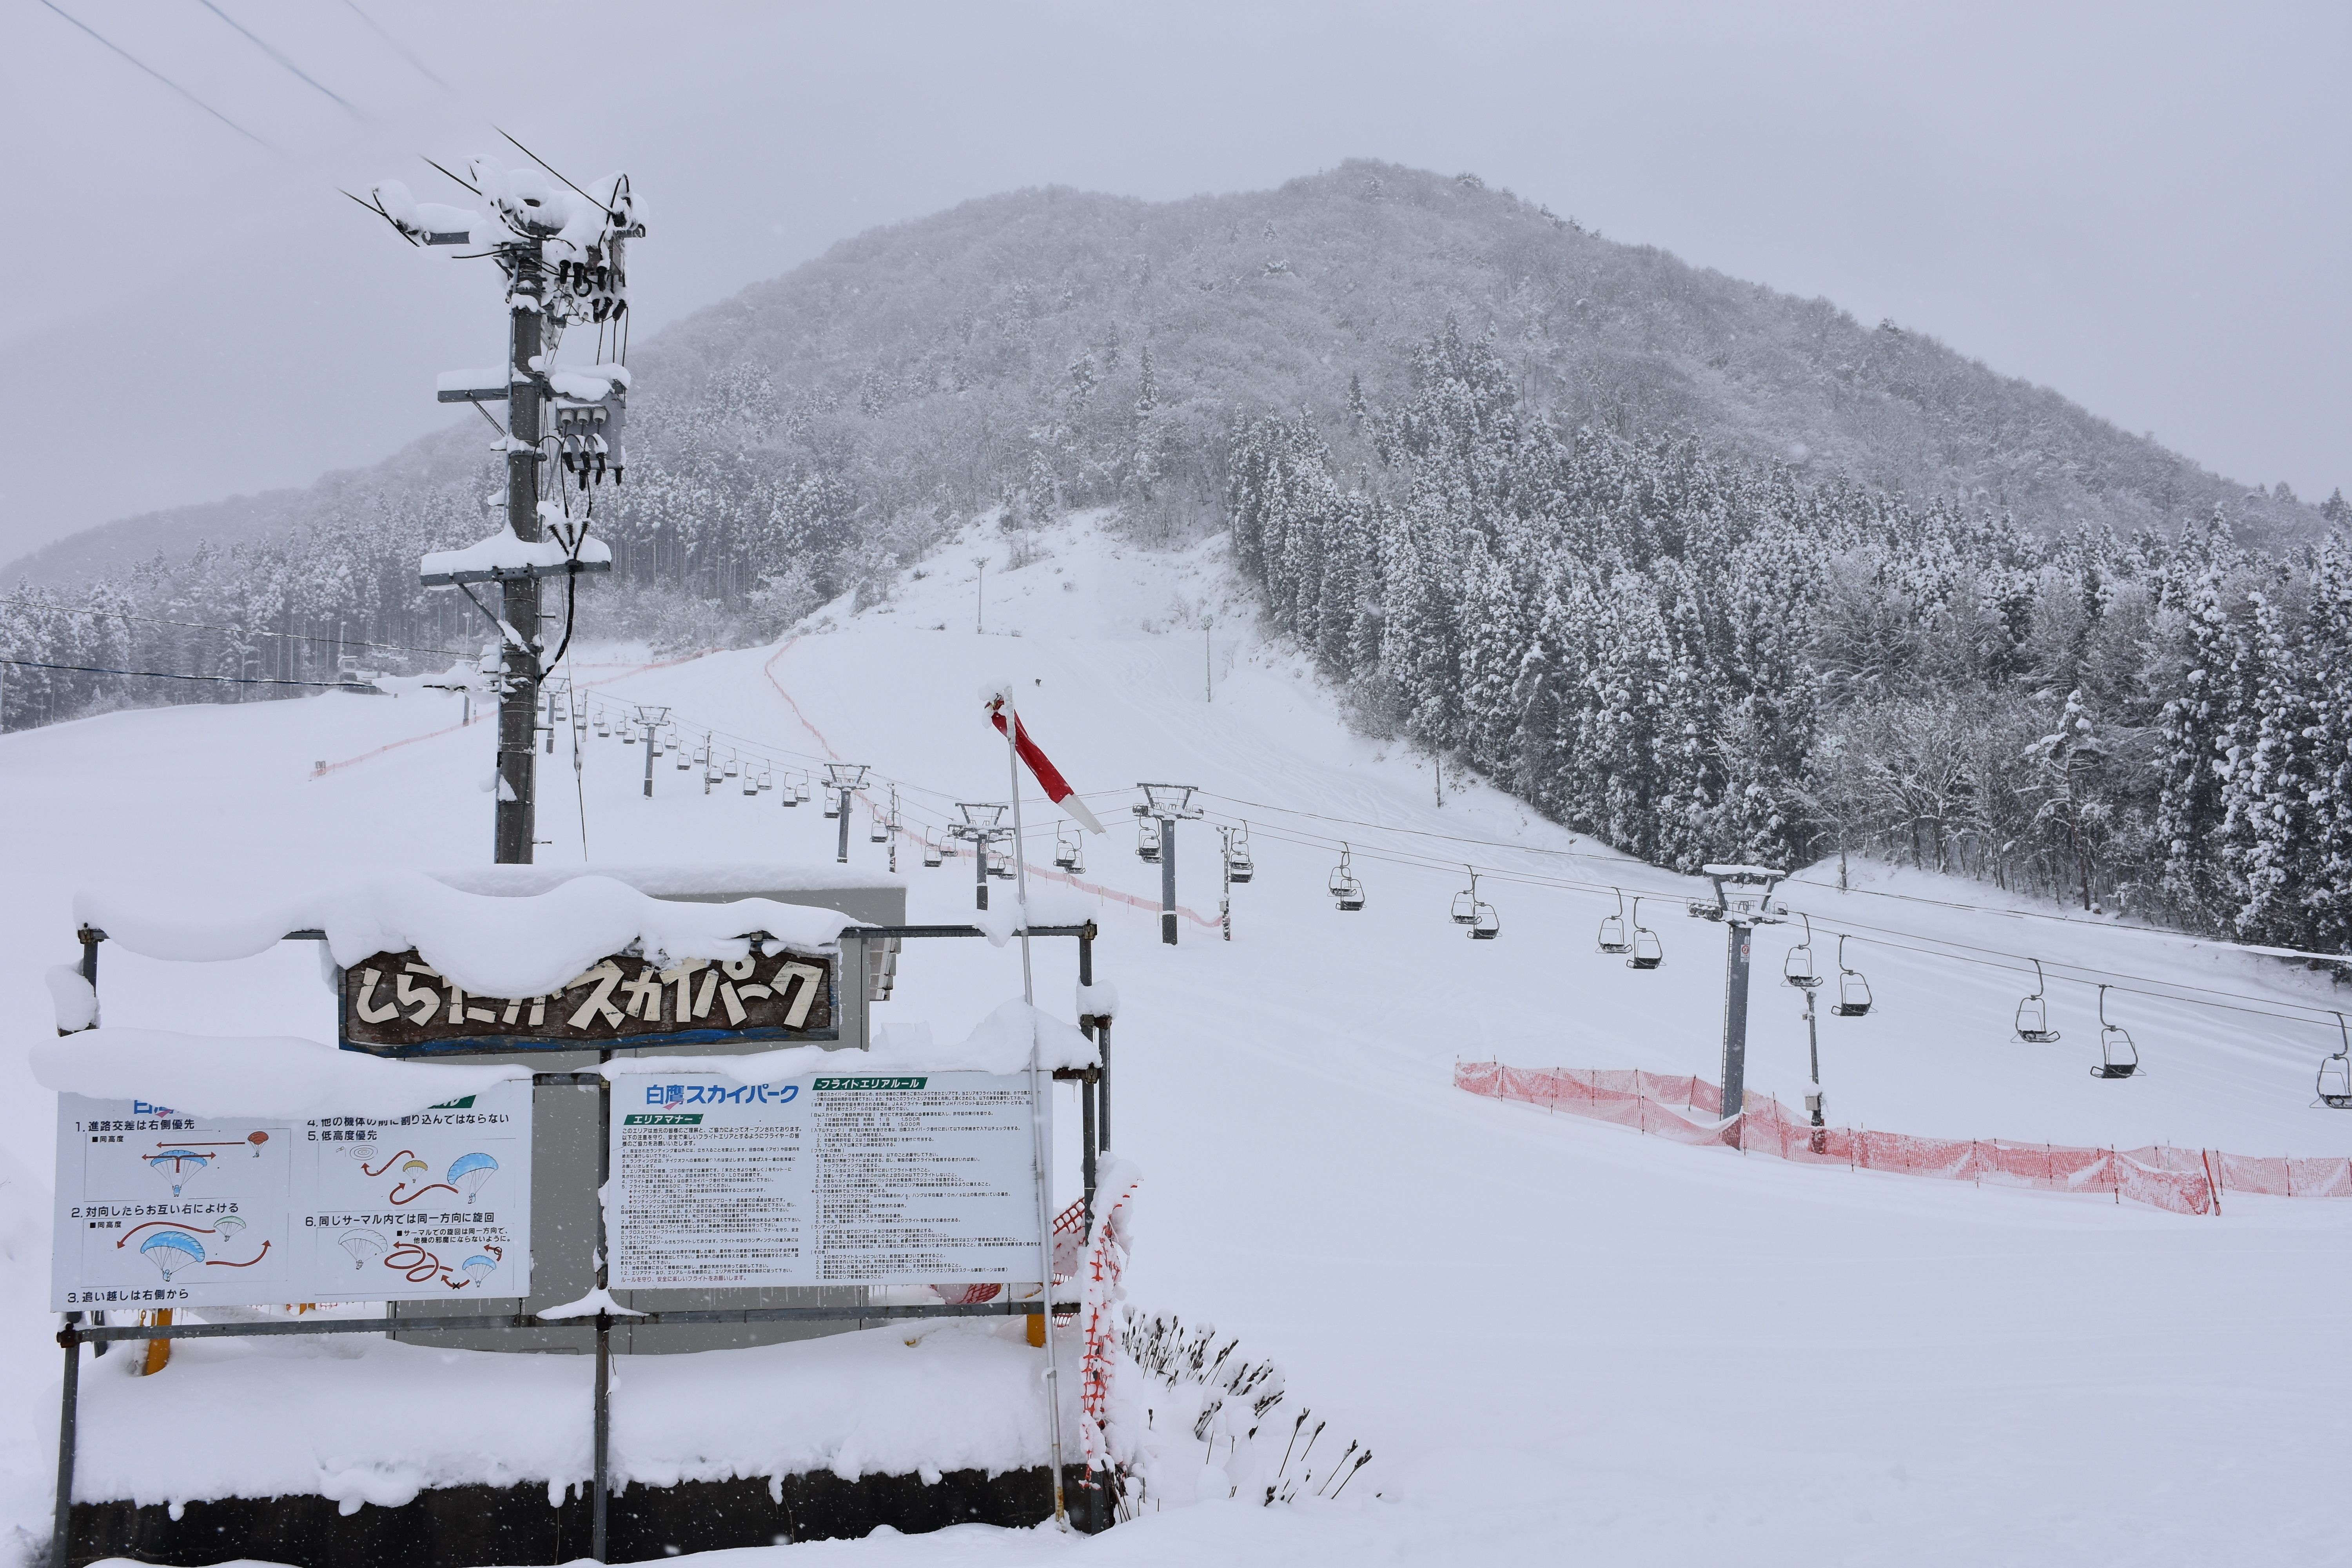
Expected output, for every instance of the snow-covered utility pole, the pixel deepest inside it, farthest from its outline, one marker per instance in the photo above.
(1168, 804)
(844, 779)
(1743, 901)
(1226, 897)
(561, 252)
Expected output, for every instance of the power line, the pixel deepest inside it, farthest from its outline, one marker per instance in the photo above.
(159, 76)
(399, 48)
(255, 39)
(240, 631)
(165, 675)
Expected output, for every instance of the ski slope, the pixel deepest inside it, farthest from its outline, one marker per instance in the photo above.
(1562, 1341)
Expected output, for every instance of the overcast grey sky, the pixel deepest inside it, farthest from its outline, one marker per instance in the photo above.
(2143, 205)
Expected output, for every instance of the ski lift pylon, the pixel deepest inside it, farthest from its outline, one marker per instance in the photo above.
(1854, 991)
(1346, 891)
(1798, 968)
(2033, 1013)
(2118, 1057)
(1648, 951)
(2335, 1072)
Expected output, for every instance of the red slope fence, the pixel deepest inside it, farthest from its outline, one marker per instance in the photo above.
(1687, 1109)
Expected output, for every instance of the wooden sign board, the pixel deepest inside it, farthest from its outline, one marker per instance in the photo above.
(396, 1004)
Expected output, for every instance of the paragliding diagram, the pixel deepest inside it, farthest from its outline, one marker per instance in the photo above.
(154, 1206)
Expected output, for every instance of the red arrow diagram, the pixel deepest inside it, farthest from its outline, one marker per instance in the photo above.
(380, 1170)
(216, 1263)
(436, 1187)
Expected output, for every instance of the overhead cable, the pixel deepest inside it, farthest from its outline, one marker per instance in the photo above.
(159, 76)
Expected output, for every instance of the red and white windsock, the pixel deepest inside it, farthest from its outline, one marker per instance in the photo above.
(1041, 766)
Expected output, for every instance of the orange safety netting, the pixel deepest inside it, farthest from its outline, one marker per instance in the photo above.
(1689, 1111)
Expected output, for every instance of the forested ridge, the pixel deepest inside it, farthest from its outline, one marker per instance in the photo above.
(1705, 570)
(1700, 661)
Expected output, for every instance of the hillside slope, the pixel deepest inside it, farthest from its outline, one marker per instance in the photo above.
(933, 358)
(1562, 1341)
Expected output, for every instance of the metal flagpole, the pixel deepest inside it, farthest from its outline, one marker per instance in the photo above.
(1037, 1109)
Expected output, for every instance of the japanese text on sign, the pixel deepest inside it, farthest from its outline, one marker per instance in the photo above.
(832, 1180)
(164, 1209)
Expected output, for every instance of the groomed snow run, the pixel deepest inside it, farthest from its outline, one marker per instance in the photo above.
(1565, 1343)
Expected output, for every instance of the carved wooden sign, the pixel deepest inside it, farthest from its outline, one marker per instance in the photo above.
(396, 1004)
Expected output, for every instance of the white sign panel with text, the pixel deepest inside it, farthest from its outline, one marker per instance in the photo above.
(927, 1178)
(159, 1208)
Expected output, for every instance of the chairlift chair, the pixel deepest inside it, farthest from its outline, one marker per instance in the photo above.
(1147, 840)
(800, 790)
(767, 778)
(685, 758)
(1489, 925)
(2118, 1057)
(1346, 891)
(1239, 866)
(1854, 991)
(751, 781)
(1065, 848)
(732, 767)
(1798, 968)
(2336, 1073)
(1648, 951)
(1466, 902)
(880, 832)
(2033, 1015)
(1000, 865)
(931, 852)
(1613, 928)
(790, 796)
(628, 737)
(831, 805)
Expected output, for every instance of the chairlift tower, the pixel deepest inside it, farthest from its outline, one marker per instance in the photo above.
(651, 719)
(1168, 804)
(982, 824)
(556, 275)
(844, 779)
(1743, 901)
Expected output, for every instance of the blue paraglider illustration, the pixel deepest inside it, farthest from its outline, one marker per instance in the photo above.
(176, 1166)
(171, 1251)
(479, 1267)
(468, 1171)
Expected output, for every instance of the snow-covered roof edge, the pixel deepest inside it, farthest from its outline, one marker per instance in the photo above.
(524, 944)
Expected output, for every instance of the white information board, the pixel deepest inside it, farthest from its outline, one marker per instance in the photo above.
(826, 1180)
(159, 1208)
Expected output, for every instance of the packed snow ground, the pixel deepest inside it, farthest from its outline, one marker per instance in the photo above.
(1562, 1341)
